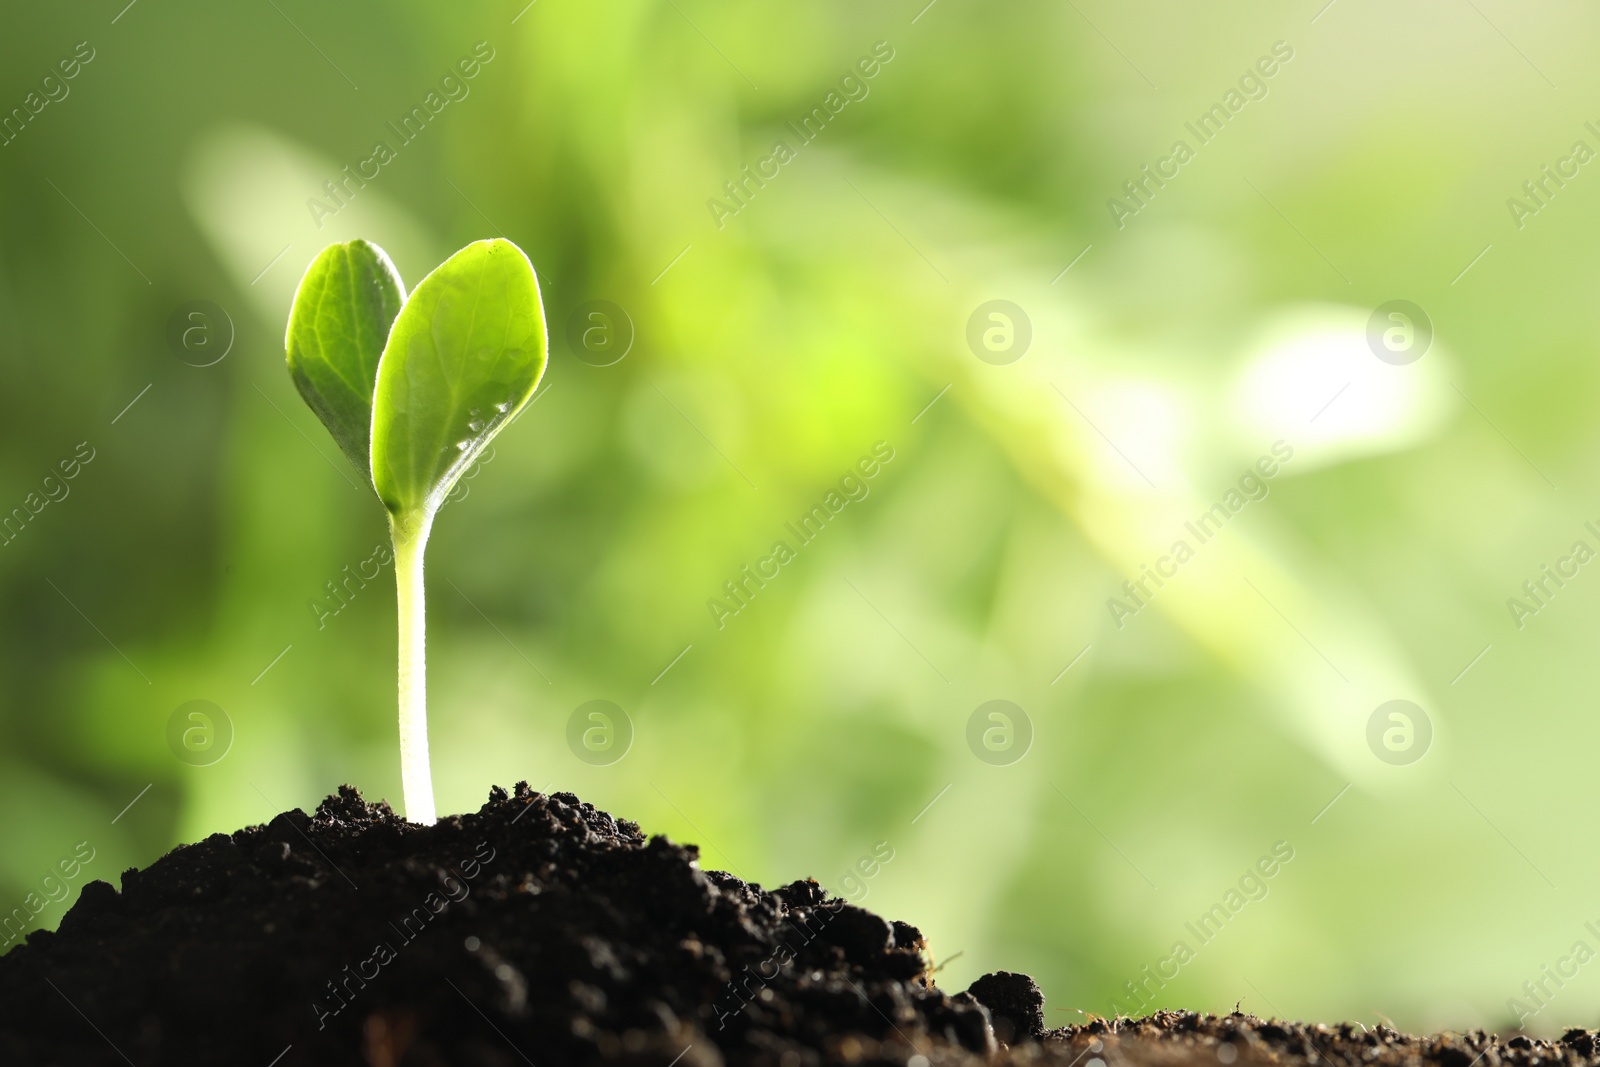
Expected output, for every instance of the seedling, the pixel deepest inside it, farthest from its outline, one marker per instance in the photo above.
(413, 389)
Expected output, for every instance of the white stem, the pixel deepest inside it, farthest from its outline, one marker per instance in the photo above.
(416, 777)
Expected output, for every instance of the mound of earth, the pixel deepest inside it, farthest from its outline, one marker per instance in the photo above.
(540, 930)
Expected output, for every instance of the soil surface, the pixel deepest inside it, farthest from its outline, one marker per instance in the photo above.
(543, 931)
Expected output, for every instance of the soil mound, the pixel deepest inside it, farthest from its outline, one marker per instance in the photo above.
(542, 931)
(538, 930)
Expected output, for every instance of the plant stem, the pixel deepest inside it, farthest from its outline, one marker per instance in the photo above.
(410, 536)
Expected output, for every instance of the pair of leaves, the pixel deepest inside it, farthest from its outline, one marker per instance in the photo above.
(414, 388)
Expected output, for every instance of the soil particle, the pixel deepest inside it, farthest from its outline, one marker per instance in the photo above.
(1015, 1005)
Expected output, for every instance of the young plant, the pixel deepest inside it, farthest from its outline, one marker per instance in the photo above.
(413, 389)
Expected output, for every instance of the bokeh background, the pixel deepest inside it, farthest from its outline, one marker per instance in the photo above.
(1151, 758)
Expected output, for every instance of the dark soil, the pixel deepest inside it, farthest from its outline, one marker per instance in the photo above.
(542, 931)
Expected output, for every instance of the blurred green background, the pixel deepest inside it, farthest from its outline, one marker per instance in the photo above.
(774, 347)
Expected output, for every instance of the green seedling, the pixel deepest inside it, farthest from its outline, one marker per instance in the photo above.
(413, 389)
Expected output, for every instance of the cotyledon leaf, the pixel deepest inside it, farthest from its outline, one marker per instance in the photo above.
(463, 357)
(338, 326)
